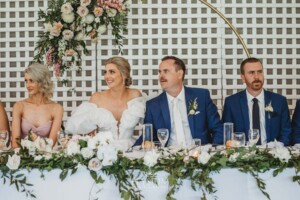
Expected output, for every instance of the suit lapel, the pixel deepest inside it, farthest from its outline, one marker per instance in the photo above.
(188, 98)
(268, 121)
(245, 111)
(163, 102)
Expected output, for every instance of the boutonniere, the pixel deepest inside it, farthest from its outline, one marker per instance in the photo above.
(193, 106)
(269, 109)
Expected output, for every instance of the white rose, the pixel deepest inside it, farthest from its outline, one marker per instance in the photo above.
(82, 11)
(95, 164)
(40, 144)
(150, 158)
(89, 18)
(111, 12)
(108, 154)
(233, 157)
(97, 19)
(13, 162)
(282, 154)
(38, 157)
(68, 18)
(101, 29)
(66, 8)
(87, 152)
(68, 34)
(105, 137)
(73, 148)
(92, 143)
(55, 32)
(204, 157)
(85, 2)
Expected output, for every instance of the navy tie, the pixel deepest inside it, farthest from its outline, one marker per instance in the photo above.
(255, 117)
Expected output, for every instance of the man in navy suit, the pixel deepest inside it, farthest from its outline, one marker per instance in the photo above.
(199, 115)
(273, 113)
(296, 124)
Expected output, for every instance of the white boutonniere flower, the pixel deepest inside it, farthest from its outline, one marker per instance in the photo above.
(269, 109)
(193, 106)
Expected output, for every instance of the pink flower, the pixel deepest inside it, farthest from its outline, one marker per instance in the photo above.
(85, 2)
(98, 11)
(82, 11)
(49, 56)
(56, 67)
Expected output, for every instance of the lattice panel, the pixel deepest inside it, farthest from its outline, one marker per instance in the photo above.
(184, 28)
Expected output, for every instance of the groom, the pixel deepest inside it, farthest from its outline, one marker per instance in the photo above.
(186, 112)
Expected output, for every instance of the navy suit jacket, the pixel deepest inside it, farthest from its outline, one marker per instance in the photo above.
(296, 124)
(206, 125)
(278, 126)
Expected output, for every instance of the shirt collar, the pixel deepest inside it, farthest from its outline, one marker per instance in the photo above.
(180, 96)
(259, 97)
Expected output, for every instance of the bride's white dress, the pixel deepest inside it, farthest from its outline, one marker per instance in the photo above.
(87, 117)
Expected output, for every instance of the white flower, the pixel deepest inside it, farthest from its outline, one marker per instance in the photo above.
(95, 164)
(150, 158)
(40, 144)
(68, 18)
(101, 29)
(82, 11)
(89, 18)
(204, 157)
(38, 157)
(73, 148)
(85, 2)
(92, 143)
(55, 32)
(17, 150)
(66, 8)
(233, 157)
(111, 12)
(108, 154)
(269, 109)
(105, 137)
(282, 154)
(79, 36)
(89, 28)
(13, 162)
(193, 106)
(68, 34)
(87, 152)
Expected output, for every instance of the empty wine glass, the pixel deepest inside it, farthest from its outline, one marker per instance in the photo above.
(239, 139)
(163, 135)
(253, 135)
(3, 139)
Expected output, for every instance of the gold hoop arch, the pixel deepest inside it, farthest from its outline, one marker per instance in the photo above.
(229, 24)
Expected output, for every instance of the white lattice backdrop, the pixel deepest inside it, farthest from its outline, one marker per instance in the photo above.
(184, 28)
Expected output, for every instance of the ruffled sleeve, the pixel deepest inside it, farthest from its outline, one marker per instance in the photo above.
(87, 117)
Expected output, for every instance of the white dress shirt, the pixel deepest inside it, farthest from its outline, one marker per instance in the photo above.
(185, 123)
(261, 103)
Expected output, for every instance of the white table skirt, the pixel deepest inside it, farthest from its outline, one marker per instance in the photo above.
(230, 184)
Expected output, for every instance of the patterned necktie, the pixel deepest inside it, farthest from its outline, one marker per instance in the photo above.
(178, 124)
(255, 117)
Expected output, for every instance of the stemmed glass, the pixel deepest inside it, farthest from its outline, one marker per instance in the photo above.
(163, 135)
(3, 139)
(253, 135)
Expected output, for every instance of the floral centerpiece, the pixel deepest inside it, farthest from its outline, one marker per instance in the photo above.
(66, 25)
(99, 154)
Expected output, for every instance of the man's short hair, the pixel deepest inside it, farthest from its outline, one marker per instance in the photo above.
(248, 60)
(178, 63)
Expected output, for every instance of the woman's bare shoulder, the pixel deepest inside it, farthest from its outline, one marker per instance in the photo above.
(97, 96)
(133, 93)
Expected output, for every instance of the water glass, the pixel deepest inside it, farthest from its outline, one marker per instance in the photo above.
(228, 131)
(3, 139)
(253, 135)
(196, 142)
(239, 139)
(147, 137)
(163, 136)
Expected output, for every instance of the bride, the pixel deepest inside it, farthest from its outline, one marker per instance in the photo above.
(117, 110)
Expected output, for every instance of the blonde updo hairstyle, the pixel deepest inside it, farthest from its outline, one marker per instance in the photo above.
(123, 66)
(41, 75)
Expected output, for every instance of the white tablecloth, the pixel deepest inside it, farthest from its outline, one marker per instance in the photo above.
(230, 184)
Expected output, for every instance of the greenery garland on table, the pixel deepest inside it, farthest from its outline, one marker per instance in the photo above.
(98, 154)
(66, 25)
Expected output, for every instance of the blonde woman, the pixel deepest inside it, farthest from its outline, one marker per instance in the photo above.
(117, 110)
(37, 113)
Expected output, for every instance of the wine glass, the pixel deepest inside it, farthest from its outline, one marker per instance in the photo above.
(163, 135)
(253, 135)
(3, 139)
(239, 139)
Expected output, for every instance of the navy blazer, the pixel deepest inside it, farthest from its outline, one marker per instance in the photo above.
(205, 125)
(278, 125)
(296, 124)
